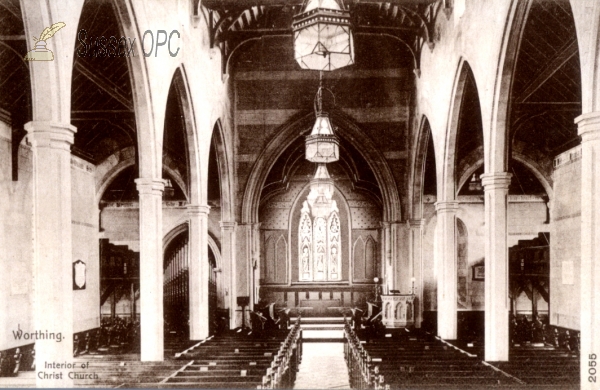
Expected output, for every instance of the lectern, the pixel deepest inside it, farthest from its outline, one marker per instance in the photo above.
(398, 310)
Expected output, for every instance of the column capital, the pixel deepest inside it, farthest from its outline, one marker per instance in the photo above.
(195, 209)
(53, 135)
(588, 126)
(496, 181)
(150, 186)
(416, 223)
(227, 225)
(448, 206)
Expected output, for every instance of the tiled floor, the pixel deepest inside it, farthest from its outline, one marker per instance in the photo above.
(323, 367)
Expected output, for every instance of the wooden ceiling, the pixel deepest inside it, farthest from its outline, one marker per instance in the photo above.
(15, 99)
(545, 98)
(546, 94)
(233, 22)
(102, 102)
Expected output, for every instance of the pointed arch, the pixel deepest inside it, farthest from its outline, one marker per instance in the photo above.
(358, 258)
(149, 155)
(496, 151)
(447, 182)
(112, 167)
(224, 151)
(370, 258)
(181, 85)
(417, 171)
(281, 259)
(173, 234)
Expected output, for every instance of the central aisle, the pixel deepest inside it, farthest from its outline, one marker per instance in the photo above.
(323, 367)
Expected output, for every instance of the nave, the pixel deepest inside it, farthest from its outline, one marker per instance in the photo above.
(448, 165)
(326, 353)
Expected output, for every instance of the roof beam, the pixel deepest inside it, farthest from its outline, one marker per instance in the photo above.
(549, 106)
(12, 37)
(104, 84)
(218, 4)
(564, 54)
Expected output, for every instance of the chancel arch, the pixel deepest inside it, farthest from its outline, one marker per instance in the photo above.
(288, 133)
(332, 247)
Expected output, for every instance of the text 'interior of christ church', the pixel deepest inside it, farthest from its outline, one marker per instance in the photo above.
(245, 193)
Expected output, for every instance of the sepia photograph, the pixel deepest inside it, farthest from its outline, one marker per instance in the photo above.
(300, 194)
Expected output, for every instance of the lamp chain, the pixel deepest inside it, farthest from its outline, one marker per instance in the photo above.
(320, 93)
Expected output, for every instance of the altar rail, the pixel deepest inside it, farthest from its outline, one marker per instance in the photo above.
(324, 299)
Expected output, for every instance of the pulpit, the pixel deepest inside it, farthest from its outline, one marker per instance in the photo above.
(398, 310)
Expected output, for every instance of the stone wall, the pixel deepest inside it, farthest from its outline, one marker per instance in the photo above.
(565, 242)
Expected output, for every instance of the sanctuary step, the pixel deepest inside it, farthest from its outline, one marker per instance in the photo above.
(322, 329)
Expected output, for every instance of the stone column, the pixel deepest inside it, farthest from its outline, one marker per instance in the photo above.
(151, 268)
(496, 265)
(255, 265)
(416, 256)
(229, 269)
(401, 256)
(52, 247)
(589, 130)
(243, 267)
(199, 271)
(386, 258)
(446, 270)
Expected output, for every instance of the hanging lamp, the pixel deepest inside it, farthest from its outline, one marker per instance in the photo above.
(323, 36)
(322, 145)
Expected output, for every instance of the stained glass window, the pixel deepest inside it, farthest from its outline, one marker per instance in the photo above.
(305, 244)
(319, 245)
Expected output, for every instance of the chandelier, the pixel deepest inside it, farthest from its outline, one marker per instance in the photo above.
(320, 197)
(323, 36)
(322, 145)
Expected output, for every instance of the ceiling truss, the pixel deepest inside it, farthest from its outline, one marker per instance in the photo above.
(233, 23)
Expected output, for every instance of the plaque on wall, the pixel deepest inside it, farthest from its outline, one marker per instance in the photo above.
(79, 275)
(478, 272)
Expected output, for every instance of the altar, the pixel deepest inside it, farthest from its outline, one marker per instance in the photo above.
(398, 310)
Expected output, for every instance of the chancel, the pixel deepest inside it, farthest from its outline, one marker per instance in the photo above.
(299, 193)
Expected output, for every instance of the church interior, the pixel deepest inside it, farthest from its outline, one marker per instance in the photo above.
(203, 193)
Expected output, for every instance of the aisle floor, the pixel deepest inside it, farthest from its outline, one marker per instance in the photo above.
(323, 367)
